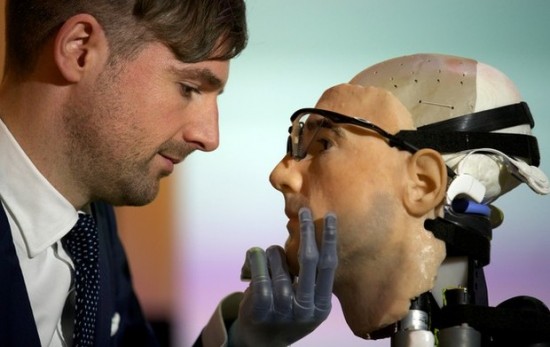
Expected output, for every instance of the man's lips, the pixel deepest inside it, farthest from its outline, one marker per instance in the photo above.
(169, 162)
(173, 159)
(175, 152)
(293, 204)
(291, 213)
(293, 224)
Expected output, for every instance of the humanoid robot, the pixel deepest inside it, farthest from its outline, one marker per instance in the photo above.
(475, 117)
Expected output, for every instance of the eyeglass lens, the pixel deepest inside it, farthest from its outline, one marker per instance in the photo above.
(304, 129)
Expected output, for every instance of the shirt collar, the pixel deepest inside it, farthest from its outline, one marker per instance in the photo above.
(42, 214)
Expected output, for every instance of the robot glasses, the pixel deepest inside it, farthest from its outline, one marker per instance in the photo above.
(468, 132)
(307, 123)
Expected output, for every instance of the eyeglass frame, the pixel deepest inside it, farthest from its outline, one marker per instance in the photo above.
(335, 117)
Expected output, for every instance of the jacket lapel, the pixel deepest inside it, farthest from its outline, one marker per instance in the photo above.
(17, 325)
(105, 309)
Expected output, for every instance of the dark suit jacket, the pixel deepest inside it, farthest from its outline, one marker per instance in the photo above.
(17, 325)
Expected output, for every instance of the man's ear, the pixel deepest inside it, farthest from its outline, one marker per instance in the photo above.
(426, 182)
(79, 44)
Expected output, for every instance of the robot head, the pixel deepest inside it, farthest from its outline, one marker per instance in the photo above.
(472, 114)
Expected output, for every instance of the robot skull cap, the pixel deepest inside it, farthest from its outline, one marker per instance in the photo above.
(432, 87)
(436, 87)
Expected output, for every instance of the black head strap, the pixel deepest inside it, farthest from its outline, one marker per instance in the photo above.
(514, 145)
(473, 131)
(486, 121)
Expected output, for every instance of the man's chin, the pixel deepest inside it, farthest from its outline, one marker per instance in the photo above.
(135, 197)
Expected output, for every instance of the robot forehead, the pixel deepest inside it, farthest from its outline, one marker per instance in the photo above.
(435, 87)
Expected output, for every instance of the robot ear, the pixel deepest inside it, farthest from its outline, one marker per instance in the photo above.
(465, 186)
(427, 182)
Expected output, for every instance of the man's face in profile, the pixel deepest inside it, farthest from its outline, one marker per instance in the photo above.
(353, 172)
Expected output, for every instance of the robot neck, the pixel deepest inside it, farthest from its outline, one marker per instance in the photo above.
(453, 273)
(468, 242)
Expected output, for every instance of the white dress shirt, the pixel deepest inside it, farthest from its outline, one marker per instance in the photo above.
(39, 217)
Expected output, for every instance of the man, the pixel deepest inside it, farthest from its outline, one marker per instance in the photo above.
(100, 100)
(392, 154)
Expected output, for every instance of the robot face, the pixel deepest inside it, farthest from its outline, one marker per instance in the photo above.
(432, 88)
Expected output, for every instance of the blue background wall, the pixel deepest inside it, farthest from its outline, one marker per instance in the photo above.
(297, 49)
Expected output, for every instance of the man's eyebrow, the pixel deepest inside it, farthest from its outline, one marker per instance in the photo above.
(206, 76)
(322, 122)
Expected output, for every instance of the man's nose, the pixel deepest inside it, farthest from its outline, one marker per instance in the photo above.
(202, 130)
(286, 176)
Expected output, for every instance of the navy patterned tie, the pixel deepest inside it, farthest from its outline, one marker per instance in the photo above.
(82, 244)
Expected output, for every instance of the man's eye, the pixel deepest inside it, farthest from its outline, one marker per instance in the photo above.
(324, 144)
(320, 145)
(187, 91)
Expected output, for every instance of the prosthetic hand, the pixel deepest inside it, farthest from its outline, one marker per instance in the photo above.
(276, 311)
